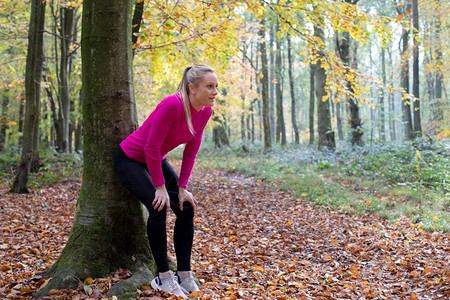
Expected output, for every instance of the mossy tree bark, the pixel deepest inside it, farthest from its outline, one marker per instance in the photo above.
(33, 72)
(109, 229)
(344, 43)
(326, 133)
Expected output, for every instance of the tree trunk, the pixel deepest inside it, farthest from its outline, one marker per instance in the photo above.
(265, 89)
(438, 113)
(243, 126)
(291, 85)
(35, 57)
(406, 105)
(271, 79)
(220, 133)
(79, 129)
(65, 32)
(343, 47)
(339, 121)
(382, 93)
(281, 127)
(326, 134)
(415, 36)
(391, 102)
(312, 74)
(4, 122)
(137, 20)
(109, 228)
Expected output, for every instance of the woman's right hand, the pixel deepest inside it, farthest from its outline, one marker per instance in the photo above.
(161, 199)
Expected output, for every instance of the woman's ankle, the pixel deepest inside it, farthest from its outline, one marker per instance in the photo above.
(183, 273)
(164, 274)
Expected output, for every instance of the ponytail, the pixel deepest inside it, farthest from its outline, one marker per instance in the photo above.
(191, 75)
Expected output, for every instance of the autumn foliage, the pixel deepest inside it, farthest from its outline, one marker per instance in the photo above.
(252, 241)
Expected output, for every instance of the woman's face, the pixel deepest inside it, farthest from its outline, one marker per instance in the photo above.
(204, 94)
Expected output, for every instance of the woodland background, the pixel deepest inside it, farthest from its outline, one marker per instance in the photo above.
(341, 103)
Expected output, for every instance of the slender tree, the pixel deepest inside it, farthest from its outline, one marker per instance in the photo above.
(66, 30)
(4, 117)
(406, 105)
(281, 126)
(382, 95)
(439, 81)
(339, 120)
(271, 78)
(109, 229)
(35, 56)
(264, 77)
(416, 82)
(391, 101)
(312, 89)
(293, 102)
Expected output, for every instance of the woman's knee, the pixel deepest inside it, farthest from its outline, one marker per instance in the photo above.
(155, 216)
(187, 213)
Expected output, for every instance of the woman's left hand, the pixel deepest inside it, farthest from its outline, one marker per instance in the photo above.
(186, 196)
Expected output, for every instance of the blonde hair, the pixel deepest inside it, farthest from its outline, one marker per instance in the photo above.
(191, 75)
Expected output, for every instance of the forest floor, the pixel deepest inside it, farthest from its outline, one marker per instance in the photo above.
(252, 241)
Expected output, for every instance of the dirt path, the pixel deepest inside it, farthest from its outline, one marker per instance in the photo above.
(251, 242)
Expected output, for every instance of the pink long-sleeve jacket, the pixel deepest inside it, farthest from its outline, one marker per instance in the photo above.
(165, 129)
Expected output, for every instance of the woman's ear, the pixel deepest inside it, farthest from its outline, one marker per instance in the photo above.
(191, 88)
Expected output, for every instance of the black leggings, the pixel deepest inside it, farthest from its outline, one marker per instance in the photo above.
(136, 178)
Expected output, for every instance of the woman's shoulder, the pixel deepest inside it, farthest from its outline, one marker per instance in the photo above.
(172, 100)
(208, 110)
(172, 103)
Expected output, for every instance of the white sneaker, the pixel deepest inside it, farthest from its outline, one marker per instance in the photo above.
(187, 283)
(168, 284)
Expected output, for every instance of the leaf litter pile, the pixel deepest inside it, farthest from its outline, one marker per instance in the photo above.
(251, 242)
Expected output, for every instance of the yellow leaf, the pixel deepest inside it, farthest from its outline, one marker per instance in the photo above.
(304, 195)
(19, 228)
(53, 292)
(6, 268)
(435, 218)
(327, 257)
(399, 17)
(197, 294)
(206, 229)
(427, 270)
(25, 290)
(257, 268)
(412, 296)
(88, 281)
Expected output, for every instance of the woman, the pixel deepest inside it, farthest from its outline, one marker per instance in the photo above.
(141, 165)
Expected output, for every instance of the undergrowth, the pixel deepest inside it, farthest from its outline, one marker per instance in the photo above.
(394, 181)
(53, 167)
